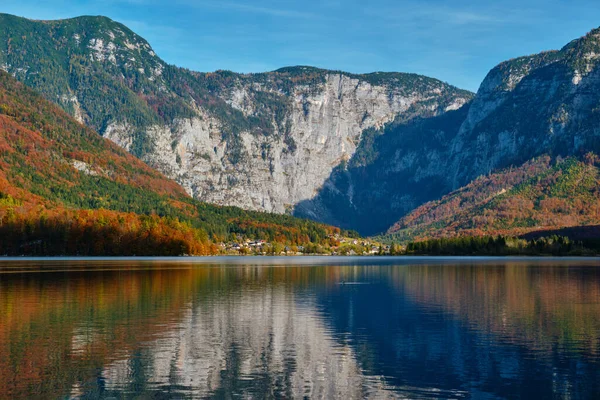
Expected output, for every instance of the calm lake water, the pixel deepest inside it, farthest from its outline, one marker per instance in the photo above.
(300, 328)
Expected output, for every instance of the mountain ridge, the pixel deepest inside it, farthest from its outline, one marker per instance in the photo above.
(354, 150)
(528, 107)
(263, 141)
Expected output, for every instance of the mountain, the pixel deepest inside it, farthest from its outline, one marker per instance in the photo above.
(542, 195)
(394, 170)
(66, 190)
(355, 151)
(266, 141)
(544, 104)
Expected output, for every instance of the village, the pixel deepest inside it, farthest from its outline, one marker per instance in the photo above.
(337, 246)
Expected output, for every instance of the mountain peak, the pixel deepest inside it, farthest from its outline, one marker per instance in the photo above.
(98, 20)
(79, 28)
(580, 54)
(508, 74)
(583, 54)
(262, 141)
(593, 35)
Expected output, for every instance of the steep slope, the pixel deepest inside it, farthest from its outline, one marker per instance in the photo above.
(542, 104)
(47, 154)
(541, 195)
(545, 104)
(66, 190)
(394, 170)
(261, 141)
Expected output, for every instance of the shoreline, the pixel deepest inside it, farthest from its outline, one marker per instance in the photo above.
(307, 256)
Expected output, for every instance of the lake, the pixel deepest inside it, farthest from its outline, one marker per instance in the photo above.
(307, 327)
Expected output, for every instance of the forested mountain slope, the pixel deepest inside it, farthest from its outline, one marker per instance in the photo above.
(541, 195)
(66, 190)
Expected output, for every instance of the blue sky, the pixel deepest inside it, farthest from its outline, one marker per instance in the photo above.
(457, 41)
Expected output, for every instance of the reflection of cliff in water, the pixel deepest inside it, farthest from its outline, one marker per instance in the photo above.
(508, 331)
(221, 331)
(412, 330)
(257, 342)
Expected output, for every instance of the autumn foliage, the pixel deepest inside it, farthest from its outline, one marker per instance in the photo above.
(544, 194)
(65, 190)
(98, 233)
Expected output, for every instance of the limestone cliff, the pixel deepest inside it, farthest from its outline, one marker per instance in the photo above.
(541, 105)
(259, 141)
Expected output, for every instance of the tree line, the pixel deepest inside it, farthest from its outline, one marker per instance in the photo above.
(498, 246)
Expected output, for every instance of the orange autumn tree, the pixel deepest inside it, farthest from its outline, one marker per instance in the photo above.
(65, 190)
(98, 232)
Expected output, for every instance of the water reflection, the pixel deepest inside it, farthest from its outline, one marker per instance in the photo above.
(352, 331)
(502, 331)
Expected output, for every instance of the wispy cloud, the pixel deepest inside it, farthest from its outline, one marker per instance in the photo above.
(466, 17)
(254, 9)
(416, 13)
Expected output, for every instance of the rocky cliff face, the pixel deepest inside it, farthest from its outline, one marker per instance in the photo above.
(542, 104)
(259, 141)
(545, 104)
(393, 171)
(322, 129)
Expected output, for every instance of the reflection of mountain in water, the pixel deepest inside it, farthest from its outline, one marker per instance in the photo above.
(256, 342)
(223, 331)
(538, 306)
(447, 331)
(506, 331)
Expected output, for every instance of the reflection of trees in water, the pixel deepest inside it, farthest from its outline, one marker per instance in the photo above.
(219, 330)
(518, 331)
(292, 331)
(540, 307)
(57, 329)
